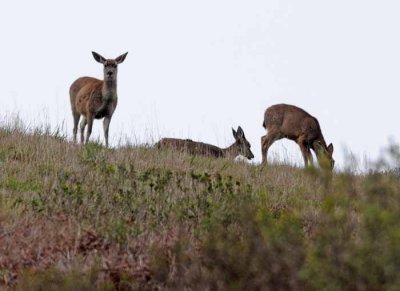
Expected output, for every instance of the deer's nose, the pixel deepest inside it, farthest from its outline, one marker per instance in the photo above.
(110, 73)
(251, 156)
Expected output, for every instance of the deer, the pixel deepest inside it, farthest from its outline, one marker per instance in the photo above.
(240, 147)
(291, 122)
(92, 98)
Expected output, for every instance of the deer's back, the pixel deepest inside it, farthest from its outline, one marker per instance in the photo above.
(291, 121)
(189, 146)
(84, 84)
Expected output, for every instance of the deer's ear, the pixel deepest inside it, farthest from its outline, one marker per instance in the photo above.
(121, 58)
(240, 132)
(235, 134)
(330, 149)
(98, 58)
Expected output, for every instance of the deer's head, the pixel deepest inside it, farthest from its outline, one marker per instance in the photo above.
(110, 65)
(242, 144)
(324, 154)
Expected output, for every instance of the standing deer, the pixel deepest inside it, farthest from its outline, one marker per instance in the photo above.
(240, 147)
(93, 98)
(288, 121)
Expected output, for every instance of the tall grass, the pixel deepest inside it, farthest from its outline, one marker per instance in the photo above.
(134, 218)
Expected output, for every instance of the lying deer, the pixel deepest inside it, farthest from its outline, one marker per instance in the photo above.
(288, 121)
(240, 147)
(92, 98)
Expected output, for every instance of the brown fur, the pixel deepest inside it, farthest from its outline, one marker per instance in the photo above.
(95, 99)
(240, 147)
(288, 121)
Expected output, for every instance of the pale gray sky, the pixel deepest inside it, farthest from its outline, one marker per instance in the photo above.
(197, 68)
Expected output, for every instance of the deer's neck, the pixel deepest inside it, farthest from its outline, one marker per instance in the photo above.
(231, 151)
(109, 90)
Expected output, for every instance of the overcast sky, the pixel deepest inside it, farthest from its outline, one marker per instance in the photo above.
(195, 69)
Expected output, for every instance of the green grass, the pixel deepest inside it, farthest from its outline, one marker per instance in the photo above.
(134, 218)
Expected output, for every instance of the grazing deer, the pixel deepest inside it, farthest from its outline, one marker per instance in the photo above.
(288, 121)
(240, 147)
(93, 98)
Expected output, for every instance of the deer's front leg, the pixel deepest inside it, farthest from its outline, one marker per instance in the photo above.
(106, 126)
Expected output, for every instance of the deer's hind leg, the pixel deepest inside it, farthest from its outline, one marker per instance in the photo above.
(89, 120)
(266, 141)
(82, 127)
(76, 116)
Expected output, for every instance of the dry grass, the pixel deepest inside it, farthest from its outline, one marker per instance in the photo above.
(81, 218)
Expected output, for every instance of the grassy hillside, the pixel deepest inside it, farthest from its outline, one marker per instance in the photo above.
(82, 218)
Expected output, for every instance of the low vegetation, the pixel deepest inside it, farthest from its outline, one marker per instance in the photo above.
(134, 218)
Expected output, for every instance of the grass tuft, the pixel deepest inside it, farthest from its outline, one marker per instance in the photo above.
(134, 218)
